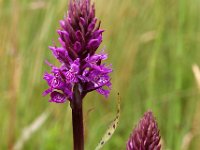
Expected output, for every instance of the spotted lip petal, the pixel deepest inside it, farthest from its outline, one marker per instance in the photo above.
(57, 97)
(80, 36)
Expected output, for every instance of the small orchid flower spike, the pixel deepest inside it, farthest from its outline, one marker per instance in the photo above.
(146, 135)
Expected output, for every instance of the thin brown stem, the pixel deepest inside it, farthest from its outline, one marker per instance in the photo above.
(77, 119)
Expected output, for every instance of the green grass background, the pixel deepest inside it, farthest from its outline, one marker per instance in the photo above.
(152, 46)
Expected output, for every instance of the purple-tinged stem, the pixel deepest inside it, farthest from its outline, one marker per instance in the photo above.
(77, 119)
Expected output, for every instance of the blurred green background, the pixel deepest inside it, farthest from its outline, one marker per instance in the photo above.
(152, 45)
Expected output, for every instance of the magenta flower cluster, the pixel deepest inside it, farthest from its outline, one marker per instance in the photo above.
(80, 36)
(146, 135)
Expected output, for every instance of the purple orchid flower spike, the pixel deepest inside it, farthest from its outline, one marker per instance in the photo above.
(81, 70)
(146, 135)
(80, 36)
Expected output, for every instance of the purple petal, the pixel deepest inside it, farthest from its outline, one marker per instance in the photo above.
(70, 77)
(48, 77)
(61, 54)
(56, 71)
(77, 46)
(64, 35)
(97, 33)
(56, 83)
(103, 92)
(62, 24)
(75, 66)
(94, 44)
(57, 97)
(62, 42)
(92, 25)
(52, 48)
(96, 57)
(100, 69)
(79, 35)
(47, 92)
(82, 20)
